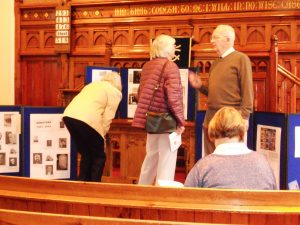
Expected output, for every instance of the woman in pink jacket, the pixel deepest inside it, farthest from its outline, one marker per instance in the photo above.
(160, 162)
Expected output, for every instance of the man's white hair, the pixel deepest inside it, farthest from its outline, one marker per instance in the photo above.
(227, 31)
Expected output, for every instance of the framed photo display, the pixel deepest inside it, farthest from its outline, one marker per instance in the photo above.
(47, 144)
(10, 140)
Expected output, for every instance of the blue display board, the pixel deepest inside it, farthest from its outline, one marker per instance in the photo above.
(130, 82)
(48, 150)
(191, 103)
(250, 133)
(199, 140)
(123, 107)
(95, 72)
(293, 161)
(10, 141)
(271, 122)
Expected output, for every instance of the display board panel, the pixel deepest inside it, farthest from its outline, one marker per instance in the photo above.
(131, 81)
(48, 151)
(293, 151)
(269, 139)
(10, 141)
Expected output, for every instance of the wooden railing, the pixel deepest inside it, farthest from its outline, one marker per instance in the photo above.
(288, 91)
(284, 85)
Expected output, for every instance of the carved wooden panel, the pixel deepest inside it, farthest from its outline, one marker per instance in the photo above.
(130, 26)
(35, 14)
(77, 72)
(100, 37)
(283, 32)
(40, 81)
(141, 37)
(135, 148)
(37, 41)
(127, 150)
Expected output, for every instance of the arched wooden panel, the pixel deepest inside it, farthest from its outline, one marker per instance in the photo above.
(121, 38)
(99, 39)
(205, 36)
(81, 39)
(282, 32)
(33, 41)
(160, 31)
(255, 34)
(49, 40)
(141, 38)
(262, 66)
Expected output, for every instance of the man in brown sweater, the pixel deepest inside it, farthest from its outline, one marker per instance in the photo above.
(230, 80)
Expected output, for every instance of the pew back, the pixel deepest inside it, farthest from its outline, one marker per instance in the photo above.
(148, 202)
(15, 217)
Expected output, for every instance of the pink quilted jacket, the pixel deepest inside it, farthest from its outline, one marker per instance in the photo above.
(169, 96)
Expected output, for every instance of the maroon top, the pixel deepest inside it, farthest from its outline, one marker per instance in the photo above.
(169, 96)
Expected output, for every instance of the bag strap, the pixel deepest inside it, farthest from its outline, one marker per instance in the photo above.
(158, 83)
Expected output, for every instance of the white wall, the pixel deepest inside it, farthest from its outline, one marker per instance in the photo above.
(7, 52)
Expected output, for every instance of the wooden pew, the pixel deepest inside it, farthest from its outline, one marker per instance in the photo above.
(148, 202)
(15, 217)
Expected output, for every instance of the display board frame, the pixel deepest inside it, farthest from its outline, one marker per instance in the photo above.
(46, 114)
(293, 152)
(13, 127)
(271, 121)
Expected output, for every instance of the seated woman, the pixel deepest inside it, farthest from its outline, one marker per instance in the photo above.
(232, 164)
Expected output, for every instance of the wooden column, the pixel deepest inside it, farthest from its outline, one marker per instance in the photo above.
(272, 84)
(18, 88)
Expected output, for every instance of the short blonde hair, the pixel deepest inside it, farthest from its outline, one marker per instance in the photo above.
(114, 79)
(227, 123)
(162, 46)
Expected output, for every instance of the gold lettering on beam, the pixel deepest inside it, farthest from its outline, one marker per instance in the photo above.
(209, 7)
(138, 11)
(184, 9)
(120, 12)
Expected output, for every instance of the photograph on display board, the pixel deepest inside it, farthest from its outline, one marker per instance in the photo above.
(94, 73)
(184, 76)
(134, 76)
(50, 147)
(10, 128)
(49, 170)
(297, 142)
(62, 162)
(2, 159)
(13, 161)
(37, 158)
(293, 165)
(268, 143)
(97, 74)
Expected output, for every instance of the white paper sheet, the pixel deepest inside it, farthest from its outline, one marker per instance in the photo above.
(175, 141)
(169, 183)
